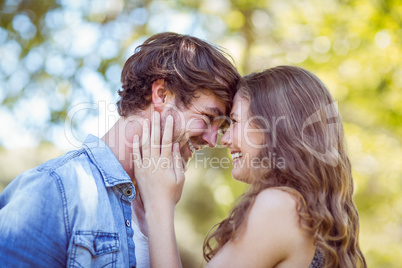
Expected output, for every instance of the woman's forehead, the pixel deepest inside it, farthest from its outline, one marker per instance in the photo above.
(240, 106)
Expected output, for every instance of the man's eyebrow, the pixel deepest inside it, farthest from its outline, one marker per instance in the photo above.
(215, 111)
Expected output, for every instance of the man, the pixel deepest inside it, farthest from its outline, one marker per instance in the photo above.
(79, 210)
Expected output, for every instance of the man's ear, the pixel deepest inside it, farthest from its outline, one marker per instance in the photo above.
(160, 95)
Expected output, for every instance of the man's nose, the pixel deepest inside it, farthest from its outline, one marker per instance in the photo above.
(210, 136)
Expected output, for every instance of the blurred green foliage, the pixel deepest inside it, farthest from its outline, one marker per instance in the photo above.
(49, 50)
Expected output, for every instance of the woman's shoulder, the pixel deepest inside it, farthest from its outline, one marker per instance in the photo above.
(275, 200)
(276, 210)
(274, 215)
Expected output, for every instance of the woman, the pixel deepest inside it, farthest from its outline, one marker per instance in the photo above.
(299, 211)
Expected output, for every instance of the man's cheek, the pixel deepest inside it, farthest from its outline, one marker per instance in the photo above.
(179, 132)
(196, 127)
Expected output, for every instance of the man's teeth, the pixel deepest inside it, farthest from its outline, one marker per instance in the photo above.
(236, 155)
(190, 144)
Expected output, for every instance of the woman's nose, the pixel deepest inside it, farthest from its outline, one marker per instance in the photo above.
(226, 138)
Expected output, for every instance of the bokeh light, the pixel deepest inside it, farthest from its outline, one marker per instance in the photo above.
(60, 65)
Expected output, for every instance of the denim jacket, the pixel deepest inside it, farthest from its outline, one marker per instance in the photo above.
(72, 211)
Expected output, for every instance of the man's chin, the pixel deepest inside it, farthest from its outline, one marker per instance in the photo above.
(185, 164)
(185, 155)
(186, 161)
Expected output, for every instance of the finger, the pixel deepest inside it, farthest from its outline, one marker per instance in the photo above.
(156, 135)
(178, 164)
(136, 152)
(167, 138)
(145, 139)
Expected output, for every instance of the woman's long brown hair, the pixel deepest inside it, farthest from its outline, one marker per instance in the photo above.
(306, 131)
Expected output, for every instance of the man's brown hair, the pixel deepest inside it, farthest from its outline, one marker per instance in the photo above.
(186, 63)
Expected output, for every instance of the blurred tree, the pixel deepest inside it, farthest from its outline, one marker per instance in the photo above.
(61, 62)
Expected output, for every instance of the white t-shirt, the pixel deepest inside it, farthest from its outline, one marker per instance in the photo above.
(141, 247)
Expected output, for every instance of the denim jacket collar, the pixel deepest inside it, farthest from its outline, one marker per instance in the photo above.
(112, 171)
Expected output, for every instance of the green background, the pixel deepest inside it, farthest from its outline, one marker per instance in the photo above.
(56, 55)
